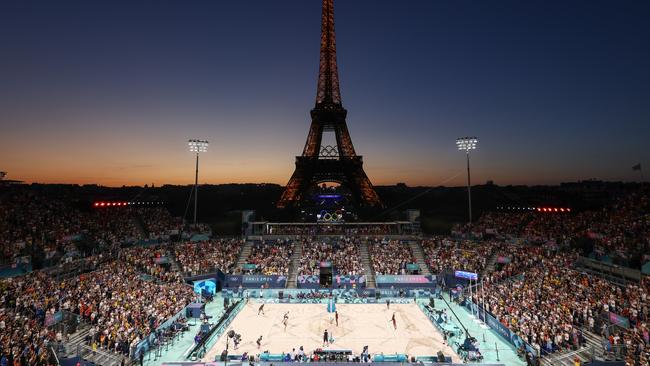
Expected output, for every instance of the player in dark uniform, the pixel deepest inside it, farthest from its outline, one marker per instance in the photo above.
(261, 310)
(326, 338)
(259, 342)
(336, 316)
(394, 321)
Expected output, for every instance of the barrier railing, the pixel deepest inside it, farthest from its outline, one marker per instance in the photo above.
(148, 341)
(56, 358)
(98, 357)
(219, 329)
(610, 270)
(563, 358)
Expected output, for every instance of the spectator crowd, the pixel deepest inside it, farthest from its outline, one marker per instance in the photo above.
(390, 257)
(270, 258)
(343, 254)
(525, 259)
(208, 255)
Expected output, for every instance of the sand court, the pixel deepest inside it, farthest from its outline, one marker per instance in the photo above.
(359, 325)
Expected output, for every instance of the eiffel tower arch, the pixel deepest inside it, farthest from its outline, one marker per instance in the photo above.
(328, 163)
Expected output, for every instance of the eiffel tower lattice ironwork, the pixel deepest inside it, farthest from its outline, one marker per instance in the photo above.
(338, 163)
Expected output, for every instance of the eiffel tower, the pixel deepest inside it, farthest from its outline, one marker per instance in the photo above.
(318, 163)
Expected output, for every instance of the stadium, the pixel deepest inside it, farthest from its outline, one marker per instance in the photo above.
(514, 288)
(328, 268)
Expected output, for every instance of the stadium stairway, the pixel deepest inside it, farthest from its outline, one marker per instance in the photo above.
(75, 346)
(102, 357)
(76, 339)
(139, 224)
(367, 265)
(491, 263)
(592, 349)
(418, 253)
(173, 262)
(243, 255)
(292, 280)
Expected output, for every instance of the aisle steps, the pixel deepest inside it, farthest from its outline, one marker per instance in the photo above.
(418, 253)
(367, 264)
(292, 280)
(243, 255)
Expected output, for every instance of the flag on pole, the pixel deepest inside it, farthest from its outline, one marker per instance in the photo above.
(637, 167)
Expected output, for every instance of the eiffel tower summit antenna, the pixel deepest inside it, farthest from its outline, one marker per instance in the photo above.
(339, 163)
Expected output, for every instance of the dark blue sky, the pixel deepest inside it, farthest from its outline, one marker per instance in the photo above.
(109, 91)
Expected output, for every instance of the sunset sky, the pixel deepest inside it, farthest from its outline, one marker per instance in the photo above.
(109, 92)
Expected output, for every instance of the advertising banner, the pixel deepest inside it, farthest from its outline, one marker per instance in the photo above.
(309, 281)
(367, 292)
(338, 281)
(256, 281)
(208, 286)
(349, 281)
(405, 281)
(466, 275)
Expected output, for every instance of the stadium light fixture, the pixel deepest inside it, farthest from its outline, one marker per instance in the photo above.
(197, 146)
(467, 144)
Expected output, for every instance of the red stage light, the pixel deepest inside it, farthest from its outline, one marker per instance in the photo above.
(556, 209)
(102, 204)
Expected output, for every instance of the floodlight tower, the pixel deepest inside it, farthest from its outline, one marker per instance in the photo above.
(197, 146)
(466, 144)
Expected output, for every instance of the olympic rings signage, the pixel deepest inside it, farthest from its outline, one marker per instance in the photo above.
(325, 216)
